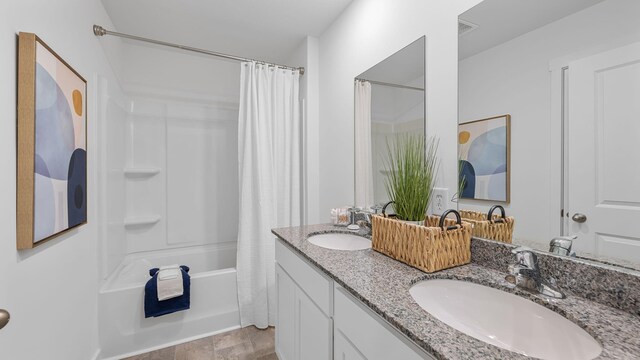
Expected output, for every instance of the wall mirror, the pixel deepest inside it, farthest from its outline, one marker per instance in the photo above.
(389, 102)
(568, 74)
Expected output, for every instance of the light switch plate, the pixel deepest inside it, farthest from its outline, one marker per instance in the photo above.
(440, 200)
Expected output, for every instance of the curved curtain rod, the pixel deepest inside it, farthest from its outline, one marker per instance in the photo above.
(100, 31)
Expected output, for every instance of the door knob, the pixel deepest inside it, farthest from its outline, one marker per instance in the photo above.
(579, 218)
(4, 318)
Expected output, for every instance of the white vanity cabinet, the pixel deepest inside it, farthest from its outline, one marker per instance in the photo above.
(343, 349)
(360, 333)
(304, 328)
(318, 319)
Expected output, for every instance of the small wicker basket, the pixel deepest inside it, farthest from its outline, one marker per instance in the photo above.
(489, 226)
(440, 244)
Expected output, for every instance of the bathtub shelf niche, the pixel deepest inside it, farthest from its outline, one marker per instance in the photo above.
(141, 172)
(141, 220)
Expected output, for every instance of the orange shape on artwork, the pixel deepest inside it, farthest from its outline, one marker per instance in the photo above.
(77, 102)
(463, 137)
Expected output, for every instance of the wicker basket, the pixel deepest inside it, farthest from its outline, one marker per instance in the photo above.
(429, 248)
(489, 226)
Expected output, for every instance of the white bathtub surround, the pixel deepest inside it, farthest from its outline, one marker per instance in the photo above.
(270, 177)
(364, 169)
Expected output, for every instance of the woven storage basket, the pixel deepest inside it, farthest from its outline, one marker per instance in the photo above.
(489, 226)
(429, 248)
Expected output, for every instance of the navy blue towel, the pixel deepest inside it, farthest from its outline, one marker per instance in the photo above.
(153, 307)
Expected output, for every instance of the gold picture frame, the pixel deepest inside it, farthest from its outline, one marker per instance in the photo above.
(484, 153)
(52, 144)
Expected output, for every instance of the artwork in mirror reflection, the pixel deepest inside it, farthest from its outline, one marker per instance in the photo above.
(389, 102)
(483, 150)
(570, 78)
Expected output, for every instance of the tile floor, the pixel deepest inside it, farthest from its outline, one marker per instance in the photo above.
(249, 343)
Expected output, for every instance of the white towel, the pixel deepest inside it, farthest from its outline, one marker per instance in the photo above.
(169, 282)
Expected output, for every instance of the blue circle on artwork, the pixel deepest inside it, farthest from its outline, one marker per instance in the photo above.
(468, 174)
(55, 139)
(488, 152)
(78, 197)
(497, 189)
(41, 167)
(77, 188)
(44, 214)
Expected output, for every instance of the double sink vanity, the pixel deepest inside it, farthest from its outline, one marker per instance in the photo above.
(550, 95)
(339, 299)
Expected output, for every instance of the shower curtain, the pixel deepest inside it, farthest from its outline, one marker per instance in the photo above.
(270, 182)
(364, 159)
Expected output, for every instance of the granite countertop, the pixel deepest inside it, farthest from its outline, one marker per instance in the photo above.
(383, 284)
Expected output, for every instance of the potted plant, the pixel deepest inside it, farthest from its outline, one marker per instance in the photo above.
(462, 182)
(412, 168)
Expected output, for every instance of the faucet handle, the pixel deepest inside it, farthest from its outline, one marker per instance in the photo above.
(376, 208)
(526, 257)
(568, 237)
(561, 245)
(366, 213)
(520, 249)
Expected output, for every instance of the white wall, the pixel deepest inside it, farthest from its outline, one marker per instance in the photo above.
(367, 32)
(307, 55)
(51, 291)
(515, 78)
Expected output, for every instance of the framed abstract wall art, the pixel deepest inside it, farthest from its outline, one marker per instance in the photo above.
(52, 144)
(484, 150)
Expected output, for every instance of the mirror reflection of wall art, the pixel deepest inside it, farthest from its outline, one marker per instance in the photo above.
(484, 151)
(52, 143)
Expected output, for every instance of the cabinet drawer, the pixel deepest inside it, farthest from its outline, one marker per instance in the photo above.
(343, 349)
(367, 332)
(316, 285)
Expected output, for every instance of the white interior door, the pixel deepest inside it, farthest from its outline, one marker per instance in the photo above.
(603, 146)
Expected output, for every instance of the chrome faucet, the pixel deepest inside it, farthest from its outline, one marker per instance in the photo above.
(352, 214)
(364, 218)
(561, 245)
(525, 274)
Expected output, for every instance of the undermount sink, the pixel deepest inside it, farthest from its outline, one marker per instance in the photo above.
(340, 241)
(504, 320)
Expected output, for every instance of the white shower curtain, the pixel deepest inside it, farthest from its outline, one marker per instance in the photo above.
(269, 169)
(364, 159)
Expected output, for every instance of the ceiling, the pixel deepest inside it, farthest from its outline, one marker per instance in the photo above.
(268, 30)
(502, 20)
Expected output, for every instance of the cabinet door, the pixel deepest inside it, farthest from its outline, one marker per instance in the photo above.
(372, 336)
(344, 350)
(285, 322)
(314, 329)
(307, 277)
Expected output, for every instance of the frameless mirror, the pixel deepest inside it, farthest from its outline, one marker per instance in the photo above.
(568, 75)
(389, 101)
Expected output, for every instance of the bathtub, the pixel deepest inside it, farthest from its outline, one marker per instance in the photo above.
(214, 301)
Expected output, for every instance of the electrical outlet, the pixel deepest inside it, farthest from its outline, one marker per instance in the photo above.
(440, 200)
